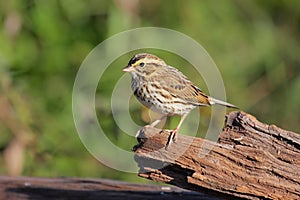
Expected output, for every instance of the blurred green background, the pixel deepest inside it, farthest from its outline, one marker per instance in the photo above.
(255, 44)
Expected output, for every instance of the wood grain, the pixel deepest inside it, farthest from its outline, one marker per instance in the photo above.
(252, 160)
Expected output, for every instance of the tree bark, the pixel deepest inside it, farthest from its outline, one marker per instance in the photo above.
(251, 160)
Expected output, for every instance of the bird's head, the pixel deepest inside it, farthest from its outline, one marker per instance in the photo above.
(144, 64)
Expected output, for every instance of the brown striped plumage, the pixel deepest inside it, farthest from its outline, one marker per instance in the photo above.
(165, 89)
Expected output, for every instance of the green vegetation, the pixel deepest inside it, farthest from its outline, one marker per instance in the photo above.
(255, 44)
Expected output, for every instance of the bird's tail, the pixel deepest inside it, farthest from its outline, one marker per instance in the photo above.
(223, 103)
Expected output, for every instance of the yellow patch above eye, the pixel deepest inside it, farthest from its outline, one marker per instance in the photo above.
(137, 63)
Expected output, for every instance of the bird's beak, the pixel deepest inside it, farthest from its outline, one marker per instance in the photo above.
(128, 69)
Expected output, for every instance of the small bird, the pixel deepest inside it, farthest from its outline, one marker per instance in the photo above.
(166, 90)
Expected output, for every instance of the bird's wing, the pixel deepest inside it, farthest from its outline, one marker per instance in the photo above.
(179, 86)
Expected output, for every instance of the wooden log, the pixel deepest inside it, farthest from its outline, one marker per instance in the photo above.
(252, 160)
(16, 188)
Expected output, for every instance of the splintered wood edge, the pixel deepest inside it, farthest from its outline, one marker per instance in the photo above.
(240, 133)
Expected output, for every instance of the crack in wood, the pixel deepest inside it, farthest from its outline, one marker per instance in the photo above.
(251, 160)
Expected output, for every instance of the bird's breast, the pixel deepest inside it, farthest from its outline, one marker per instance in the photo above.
(158, 99)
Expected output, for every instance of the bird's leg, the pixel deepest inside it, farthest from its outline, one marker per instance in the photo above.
(178, 127)
(174, 132)
(153, 124)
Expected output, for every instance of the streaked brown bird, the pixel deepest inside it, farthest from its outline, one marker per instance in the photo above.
(165, 89)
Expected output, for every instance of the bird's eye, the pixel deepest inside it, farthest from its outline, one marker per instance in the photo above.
(142, 64)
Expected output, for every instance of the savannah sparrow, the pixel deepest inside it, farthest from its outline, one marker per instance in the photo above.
(165, 90)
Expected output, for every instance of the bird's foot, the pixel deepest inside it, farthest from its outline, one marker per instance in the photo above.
(172, 137)
(174, 133)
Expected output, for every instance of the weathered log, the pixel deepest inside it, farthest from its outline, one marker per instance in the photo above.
(81, 188)
(251, 160)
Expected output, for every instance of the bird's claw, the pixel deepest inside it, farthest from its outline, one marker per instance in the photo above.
(172, 137)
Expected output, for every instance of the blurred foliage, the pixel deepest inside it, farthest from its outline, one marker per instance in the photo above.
(255, 44)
